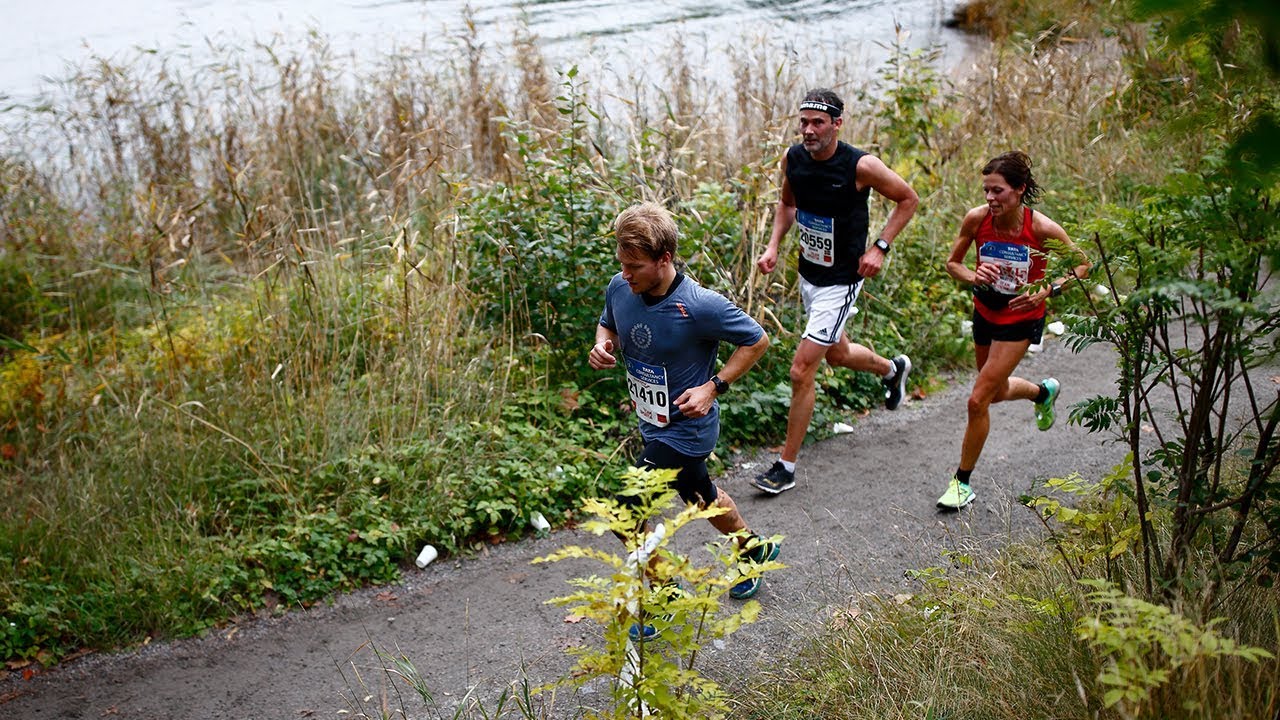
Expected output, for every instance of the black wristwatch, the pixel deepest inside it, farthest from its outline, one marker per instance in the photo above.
(722, 387)
(1055, 290)
(884, 246)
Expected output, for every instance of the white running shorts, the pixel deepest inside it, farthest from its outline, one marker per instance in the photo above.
(828, 307)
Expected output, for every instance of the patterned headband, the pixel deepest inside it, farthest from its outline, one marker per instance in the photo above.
(831, 110)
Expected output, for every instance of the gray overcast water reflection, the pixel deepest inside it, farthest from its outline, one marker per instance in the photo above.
(44, 39)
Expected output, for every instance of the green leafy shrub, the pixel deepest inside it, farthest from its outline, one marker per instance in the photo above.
(658, 677)
(1146, 646)
(754, 413)
(1189, 314)
(32, 625)
(1091, 525)
(324, 551)
(539, 247)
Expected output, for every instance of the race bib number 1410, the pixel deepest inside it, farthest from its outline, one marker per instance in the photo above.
(647, 385)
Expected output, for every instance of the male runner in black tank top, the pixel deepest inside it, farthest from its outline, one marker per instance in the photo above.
(825, 187)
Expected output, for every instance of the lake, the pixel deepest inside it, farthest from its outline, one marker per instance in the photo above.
(46, 39)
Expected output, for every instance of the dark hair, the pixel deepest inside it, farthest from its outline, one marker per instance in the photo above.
(647, 228)
(826, 96)
(1015, 168)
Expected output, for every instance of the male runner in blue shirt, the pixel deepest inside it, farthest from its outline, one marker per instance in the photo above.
(668, 329)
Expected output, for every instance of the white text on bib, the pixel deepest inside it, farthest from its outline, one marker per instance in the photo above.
(817, 238)
(1013, 262)
(647, 385)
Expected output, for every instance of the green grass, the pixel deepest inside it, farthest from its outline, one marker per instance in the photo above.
(1000, 638)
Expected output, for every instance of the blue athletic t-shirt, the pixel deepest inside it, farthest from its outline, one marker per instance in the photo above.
(669, 347)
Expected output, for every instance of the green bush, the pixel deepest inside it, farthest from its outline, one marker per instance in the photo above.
(540, 246)
(1190, 315)
(657, 679)
(324, 551)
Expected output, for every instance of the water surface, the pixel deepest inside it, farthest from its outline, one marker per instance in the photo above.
(46, 39)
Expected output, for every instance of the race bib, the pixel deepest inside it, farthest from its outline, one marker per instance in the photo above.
(817, 238)
(647, 385)
(1013, 262)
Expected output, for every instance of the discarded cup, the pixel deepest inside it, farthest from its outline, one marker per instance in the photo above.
(427, 555)
(539, 522)
(1056, 327)
(840, 427)
(1101, 290)
(966, 328)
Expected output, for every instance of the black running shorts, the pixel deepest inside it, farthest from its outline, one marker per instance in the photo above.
(985, 331)
(693, 482)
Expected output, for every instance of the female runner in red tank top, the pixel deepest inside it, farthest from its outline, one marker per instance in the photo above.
(1009, 293)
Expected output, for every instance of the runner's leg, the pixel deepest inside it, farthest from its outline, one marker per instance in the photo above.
(996, 364)
(855, 356)
(804, 368)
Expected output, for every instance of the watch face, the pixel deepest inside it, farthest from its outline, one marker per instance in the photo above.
(884, 246)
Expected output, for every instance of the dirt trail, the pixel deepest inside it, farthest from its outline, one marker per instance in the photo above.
(861, 514)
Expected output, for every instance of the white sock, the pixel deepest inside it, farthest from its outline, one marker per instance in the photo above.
(788, 465)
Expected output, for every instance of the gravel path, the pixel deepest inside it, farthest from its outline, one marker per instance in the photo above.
(861, 514)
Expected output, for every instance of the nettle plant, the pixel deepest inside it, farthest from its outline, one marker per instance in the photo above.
(655, 678)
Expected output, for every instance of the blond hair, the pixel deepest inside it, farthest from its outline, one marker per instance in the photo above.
(647, 228)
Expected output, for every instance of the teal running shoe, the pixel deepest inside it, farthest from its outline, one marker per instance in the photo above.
(648, 632)
(762, 553)
(1044, 411)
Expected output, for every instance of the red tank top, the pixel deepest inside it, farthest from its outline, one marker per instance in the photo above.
(1021, 260)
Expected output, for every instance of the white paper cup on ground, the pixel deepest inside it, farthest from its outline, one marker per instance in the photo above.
(1056, 327)
(539, 522)
(427, 555)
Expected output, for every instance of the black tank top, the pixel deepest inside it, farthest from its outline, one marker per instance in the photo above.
(831, 214)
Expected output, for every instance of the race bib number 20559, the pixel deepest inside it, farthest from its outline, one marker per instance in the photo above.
(817, 238)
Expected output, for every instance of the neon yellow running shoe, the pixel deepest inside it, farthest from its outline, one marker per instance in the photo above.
(958, 495)
(1044, 411)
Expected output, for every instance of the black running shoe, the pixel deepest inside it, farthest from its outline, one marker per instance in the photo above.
(895, 386)
(776, 479)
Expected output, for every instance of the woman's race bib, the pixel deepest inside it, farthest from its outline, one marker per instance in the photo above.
(1013, 261)
(647, 385)
(817, 238)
